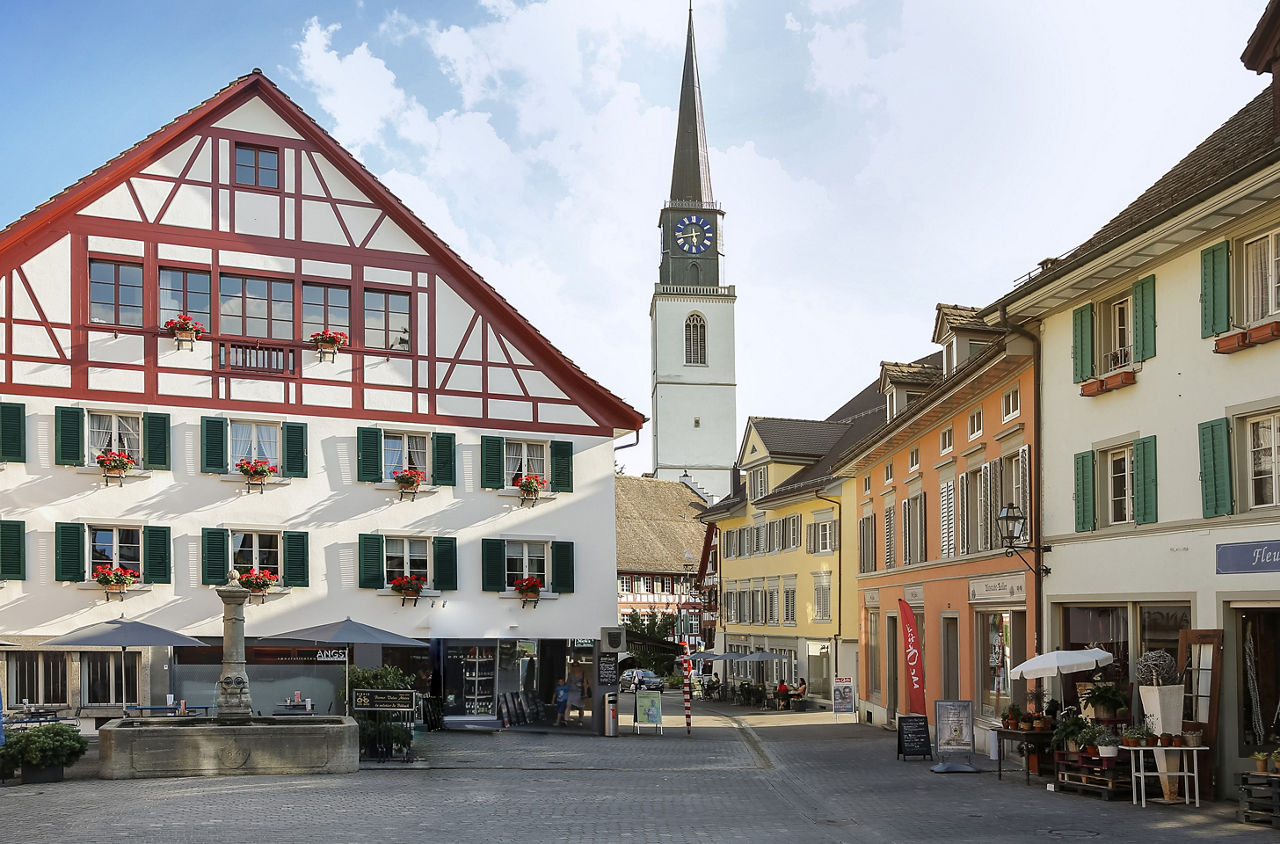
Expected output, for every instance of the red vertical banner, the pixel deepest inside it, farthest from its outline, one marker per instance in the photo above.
(913, 658)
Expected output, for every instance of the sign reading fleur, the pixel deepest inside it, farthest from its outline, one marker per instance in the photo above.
(1247, 557)
(914, 659)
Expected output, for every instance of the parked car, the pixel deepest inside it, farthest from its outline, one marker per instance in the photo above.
(648, 680)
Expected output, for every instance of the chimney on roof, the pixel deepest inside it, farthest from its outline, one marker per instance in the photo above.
(1262, 55)
(1048, 264)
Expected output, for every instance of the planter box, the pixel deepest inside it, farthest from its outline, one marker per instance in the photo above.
(1116, 380)
(1264, 333)
(1230, 343)
(38, 773)
(1092, 387)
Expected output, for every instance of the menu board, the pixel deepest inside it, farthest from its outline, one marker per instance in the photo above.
(607, 670)
(913, 736)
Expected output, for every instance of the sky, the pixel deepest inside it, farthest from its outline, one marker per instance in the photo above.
(873, 158)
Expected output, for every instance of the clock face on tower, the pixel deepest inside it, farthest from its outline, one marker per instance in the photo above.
(693, 234)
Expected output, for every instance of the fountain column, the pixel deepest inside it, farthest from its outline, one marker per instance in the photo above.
(234, 703)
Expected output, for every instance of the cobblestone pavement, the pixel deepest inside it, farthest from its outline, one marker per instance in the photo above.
(741, 776)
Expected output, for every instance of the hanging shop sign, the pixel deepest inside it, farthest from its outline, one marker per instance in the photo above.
(1005, 588)
(913, 658)
(1248, 557)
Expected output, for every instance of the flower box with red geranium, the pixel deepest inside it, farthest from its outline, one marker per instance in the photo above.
(328, 343)
(115, 462)
(408, 584)
(258, 580)
(530, 486)
(184, 327)
(256, 470)
(528, 587)
(412, 478)
(115, 579)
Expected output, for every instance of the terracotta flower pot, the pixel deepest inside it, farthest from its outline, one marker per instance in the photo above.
(1262, 765)
(1229, 343)
(1092, 750)
(1152, 741)
(1178, 741)
(1166, 741)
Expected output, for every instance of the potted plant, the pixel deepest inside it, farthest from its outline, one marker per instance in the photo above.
(409, 479)
(115, 463)
(1179, 740)
(409, 585)
(42, 752)
(1275, 759)
(258, 581)
(1088, 739)
(1107, 742)
(115, 579)
(528, 587)
(328, 343)
(530, 486)
(1194, 738)
(1166, 739)
(1104, 699)
(184, 329)
(1012, 715)
(257, 470)
(1260, 759)
(1068, 728)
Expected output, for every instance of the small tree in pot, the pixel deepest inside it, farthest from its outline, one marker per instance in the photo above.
(42, 752)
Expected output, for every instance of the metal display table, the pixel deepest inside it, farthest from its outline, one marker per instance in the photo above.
(1139, 773)
(1032, 738)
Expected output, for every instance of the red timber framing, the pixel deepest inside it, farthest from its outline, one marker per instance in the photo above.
(431, 367)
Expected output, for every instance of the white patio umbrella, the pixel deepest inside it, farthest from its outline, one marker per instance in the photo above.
(1061, 662)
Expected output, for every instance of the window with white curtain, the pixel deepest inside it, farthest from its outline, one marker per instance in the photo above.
(114, 432)
(525, 458)
(255, 441)
(403, 451)
(1262, 277)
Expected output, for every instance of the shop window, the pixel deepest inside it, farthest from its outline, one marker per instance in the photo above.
(102, 683)
(1160, 624)
(1259, 692)
(470, 679)
(37, 677)
(1105, 627)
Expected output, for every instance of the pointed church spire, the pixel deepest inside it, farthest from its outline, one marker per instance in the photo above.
(690, 174)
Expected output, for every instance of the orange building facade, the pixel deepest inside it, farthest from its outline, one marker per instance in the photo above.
(927, 487)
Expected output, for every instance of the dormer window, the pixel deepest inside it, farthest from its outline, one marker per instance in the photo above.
(758, 481)
(888, 473)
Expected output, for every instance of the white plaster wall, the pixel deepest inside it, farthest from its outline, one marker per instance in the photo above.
(257, 213)
(669, 315)
(122, 380)
(192, 208)
(257, 116)
(319, 225)
(106, 347)
(47, 274)
(334, 509)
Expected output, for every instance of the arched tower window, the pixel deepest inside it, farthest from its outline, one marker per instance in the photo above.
(695, 340)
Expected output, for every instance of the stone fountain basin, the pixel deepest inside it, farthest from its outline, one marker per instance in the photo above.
(142, 748)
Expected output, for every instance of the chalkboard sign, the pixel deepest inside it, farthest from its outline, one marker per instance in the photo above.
(385, 700)
(607, 670)
(913, 736)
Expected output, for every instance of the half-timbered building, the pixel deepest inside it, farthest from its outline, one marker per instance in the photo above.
(247, 217)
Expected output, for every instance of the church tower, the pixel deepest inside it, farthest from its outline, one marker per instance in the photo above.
(694, 398)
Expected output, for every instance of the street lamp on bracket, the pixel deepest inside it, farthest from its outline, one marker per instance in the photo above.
(1013, 536)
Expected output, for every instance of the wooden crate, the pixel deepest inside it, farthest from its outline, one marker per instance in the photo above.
(1259, 799)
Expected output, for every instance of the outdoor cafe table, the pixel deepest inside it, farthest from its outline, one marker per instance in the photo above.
(167, 709)
(290, 707)
(1034, 738)
(1139, 774)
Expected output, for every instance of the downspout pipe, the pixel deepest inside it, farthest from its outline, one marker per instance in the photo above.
(1037, 483)
(835, 642)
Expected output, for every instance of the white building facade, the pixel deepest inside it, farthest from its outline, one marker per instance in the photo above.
(246, 216)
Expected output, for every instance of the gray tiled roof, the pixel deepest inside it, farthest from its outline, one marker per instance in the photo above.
(964, 317)
(810, 438)
(917, 373)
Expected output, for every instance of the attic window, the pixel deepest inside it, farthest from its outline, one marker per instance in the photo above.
(257, 166)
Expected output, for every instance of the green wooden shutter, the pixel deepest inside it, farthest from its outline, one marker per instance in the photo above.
(156, 565)
(68, 552)
(13, 432)
(1145, 511)
(562, 467)
(295, 564)
(444, 470)
(445, 563)
(293, 450)
(215, 556)
(492, 462)
(368, 455)
(1086, 516)
(1144, 318)
(1215, 290)
(562, 567)
(1082, 343)
(13, 550)
(68, 436)
(1215, 467)
(369, 561)
(493, 565)
(155, 441)
(213, 447)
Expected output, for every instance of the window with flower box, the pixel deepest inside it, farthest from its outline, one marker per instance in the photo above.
(504, 561)
(184, 292)
(255, 307)
(145, 437)
(223, 443)
(504, 461)
(325, 307)
(80, 548)
(285, 553)
(114, 432)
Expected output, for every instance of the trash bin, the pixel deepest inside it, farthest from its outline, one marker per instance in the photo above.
(611, 714)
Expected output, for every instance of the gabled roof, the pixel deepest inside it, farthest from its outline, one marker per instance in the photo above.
(657, 523)
(869, 402)
(805, 439)
(953, 318)
(595, 399)
(915, 374)
(1244, 145)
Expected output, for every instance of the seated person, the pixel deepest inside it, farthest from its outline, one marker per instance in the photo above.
(784, 695)
(801, 689)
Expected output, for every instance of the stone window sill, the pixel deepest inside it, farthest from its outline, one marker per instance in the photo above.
(93, 584)
(392, 486)
(515, 596)
(512, 492)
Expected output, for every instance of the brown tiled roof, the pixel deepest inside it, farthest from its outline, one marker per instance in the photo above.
(808, 438)
(657, 522)
(964, 317)
(866, 403)
(1244, 145)
(923, 374)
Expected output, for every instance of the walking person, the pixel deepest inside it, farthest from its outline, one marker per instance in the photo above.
(562, 702)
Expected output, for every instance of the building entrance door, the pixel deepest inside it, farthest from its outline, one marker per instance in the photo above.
(891, 678)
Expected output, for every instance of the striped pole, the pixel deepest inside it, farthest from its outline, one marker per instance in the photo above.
(688, 691)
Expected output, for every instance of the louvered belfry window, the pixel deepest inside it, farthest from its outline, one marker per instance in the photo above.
(695, 340)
